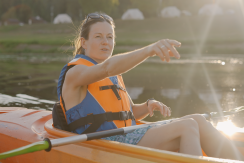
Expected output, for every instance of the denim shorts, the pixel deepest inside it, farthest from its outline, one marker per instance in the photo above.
(132, 137)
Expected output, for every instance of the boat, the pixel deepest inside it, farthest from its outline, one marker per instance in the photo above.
(21, 126)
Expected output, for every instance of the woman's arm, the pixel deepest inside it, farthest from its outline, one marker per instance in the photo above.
(82, 75)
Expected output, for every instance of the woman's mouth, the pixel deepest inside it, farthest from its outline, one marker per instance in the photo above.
(104, 49)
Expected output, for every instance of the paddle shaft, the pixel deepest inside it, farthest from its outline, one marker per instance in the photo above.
(100, 134)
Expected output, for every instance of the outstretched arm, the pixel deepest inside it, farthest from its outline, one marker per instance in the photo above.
(81, 75)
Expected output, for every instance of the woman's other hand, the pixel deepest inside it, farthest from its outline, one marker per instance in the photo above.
(164, 49)
(159, 106)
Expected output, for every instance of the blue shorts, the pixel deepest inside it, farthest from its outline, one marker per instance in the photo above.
(132, 137)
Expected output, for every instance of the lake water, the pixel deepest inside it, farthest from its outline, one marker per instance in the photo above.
(189, 85)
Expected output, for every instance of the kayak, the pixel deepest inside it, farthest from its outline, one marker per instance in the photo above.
(20, 127)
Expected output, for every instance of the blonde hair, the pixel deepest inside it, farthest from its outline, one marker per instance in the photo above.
(84, 30)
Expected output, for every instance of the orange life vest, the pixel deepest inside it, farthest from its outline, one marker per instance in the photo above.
(106, 102)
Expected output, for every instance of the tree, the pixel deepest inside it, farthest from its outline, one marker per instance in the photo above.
(23, 13)
(149, 8)
(10, 14)
(105, 6)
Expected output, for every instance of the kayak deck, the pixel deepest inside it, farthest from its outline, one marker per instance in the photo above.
(21, 126)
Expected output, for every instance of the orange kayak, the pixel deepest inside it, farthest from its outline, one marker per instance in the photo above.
(20, 127)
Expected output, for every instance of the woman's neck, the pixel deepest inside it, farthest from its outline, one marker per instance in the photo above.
(97, 60)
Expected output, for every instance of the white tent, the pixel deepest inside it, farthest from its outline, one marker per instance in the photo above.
(170, 12)
(133, 14)
(210, 9)
(230, 12)
(186, 13)
(62, 18)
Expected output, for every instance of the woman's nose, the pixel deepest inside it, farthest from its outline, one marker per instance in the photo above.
(105, 41)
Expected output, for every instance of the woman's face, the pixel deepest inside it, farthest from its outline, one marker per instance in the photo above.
(100, 43)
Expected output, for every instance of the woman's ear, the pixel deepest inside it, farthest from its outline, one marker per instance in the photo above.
(83, 42)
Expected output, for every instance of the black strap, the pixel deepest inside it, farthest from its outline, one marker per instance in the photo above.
(98, 119)
(114, 88)
(59, 120)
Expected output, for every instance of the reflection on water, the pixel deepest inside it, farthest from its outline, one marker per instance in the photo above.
(134, 92)
(181, 85)
(22, 100)
(208, 97)
(203, 60)
(205, 96)
(173, 93)
(227, 127)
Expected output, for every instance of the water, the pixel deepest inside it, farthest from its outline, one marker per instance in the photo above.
(188, 85)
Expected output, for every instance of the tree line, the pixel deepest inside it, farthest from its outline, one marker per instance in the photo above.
(77, 9)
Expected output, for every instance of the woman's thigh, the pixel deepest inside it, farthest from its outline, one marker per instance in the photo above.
(166, 136)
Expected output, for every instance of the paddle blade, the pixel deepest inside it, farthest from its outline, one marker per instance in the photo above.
(38, 146)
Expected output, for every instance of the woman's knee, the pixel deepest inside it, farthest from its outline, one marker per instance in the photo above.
(200, 119)
(190, 125)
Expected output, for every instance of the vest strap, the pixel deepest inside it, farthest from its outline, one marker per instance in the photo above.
(114, 88)
(98, 119)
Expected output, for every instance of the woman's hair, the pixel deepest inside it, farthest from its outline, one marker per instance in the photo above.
(84, 30)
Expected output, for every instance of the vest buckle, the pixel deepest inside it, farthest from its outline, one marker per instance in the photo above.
(123, 115)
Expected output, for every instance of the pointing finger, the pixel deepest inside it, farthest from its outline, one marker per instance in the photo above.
(174, 43)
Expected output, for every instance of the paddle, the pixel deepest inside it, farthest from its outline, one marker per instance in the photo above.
(47, 144)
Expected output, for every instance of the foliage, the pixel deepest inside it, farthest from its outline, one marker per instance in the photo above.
(10, 14)
(148, 8)
(105, 6)
(23, 13)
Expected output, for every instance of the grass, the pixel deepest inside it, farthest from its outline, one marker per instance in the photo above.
(191, 31)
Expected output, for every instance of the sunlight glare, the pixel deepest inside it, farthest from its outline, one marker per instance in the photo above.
(227, 127)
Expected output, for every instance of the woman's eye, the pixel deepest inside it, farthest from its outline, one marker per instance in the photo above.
(110, 37)
(97, 36)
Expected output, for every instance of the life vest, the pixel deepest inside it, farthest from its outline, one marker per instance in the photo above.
(106, 105)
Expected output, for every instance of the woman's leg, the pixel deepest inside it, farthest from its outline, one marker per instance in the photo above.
(213, 142)
(181, 135)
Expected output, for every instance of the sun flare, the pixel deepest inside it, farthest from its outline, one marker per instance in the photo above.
(227, 127)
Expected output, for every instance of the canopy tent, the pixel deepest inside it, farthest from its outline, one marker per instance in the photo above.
(210, 9)
(36, 20)
(170, 12)
(62, 18)
(132, 14)
(186, 13)
(230, 12)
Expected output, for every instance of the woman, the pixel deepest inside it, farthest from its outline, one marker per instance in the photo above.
(93, 96)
